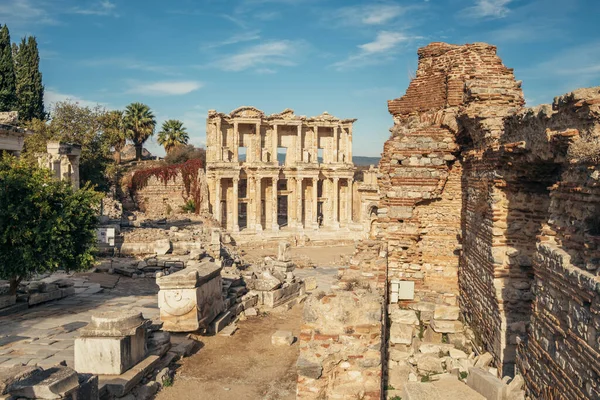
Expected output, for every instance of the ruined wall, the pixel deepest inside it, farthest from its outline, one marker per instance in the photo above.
(340, 347)
(503, 200)
(159, 199)
(560, 357)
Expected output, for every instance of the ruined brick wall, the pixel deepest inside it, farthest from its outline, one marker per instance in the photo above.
(560, 357)
(158, 199)
(421, 181)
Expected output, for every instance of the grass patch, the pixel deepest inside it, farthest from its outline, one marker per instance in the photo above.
(167, 382)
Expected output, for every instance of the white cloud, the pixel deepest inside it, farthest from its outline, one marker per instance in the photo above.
(164, 88)
(130, 63)
(488, 9)
(379, 50)
(104, 7)
(52, 96)
(19, 12)
(264, 55)
(235, 39)
(371, 14)
(581, 62)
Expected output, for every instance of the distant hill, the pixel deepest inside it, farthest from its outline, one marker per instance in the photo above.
(359, 161)
(365, 161)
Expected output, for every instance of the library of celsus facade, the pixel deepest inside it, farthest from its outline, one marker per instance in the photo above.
(281, 172)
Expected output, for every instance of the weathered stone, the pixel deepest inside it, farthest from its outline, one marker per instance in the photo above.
(308, 368)
(191, 298)
(282, 338)
(53, 383)
(446, 326)
(457, 354)
(401, 334)
(111, 344)
(408, 317)
(162, 246)
(429, 364)
(486, 384)
(446, 313)
(484, 360)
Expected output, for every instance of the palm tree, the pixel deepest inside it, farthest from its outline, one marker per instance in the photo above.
(139, 125)
(114, 132)
(173, 134)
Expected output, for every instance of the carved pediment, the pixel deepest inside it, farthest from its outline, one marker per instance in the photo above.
(247, 112)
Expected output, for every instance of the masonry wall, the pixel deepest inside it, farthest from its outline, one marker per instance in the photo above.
(499, 203)
(159, 199)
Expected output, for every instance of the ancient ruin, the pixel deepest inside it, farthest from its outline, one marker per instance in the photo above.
(12, 138)
(252, 189)
(63, 160)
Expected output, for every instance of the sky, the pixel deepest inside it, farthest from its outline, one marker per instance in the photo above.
(346, 57)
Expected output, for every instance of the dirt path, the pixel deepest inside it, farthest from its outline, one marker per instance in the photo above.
(321, 256)
(242, 366)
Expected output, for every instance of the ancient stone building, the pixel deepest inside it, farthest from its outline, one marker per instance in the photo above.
(281, 171)
(63, 160)
(12, 137)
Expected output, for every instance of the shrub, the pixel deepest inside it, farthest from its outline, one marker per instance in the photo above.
(183, 153)
(44, 224)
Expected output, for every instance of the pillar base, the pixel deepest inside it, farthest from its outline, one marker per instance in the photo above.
(274, 227)
(258, 228)
(236, 228)
(335, 225)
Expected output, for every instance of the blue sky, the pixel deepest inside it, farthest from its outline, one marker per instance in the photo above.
(185, 57)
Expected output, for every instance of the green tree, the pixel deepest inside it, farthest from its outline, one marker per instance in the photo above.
(181, 154)
(73, 123)
(44, 224)
(8, 88)
(140, 123)
(172, 134)
(114, 132)
(30, 90)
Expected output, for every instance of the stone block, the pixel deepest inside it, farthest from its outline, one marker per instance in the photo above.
(446, 326)
(7, 301)
(408, 317)
(185, 348)
(162, 247)
(282, 338)
(88, 387)
(309, 369)
(484, 383)
(277, 297)
(120, 385)
(429, 364)
(401, 334)
(457, 354)
(18, 307)
(191, 298)
(446, 313)
(250, 312)
(425, 310)
(484, 360)
(53, 383)
(111, 344)
(38, 298)
(220, 322)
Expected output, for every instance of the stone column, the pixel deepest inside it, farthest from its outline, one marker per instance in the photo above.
(299, 202)
(349, 201)
(217, 204)
(299, 145)
(316, 145)
(315, 185)
(274, 224)
(219, 140)
(349, 149)
(258, 204)
(234, 205)
(75, 172)
(256, 142)
(336, 203)
(274, 145)
(335, 145)
(291, 199)
(250, 207)
(236, 142)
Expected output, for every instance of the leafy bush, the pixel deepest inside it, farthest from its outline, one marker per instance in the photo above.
(44, 224)
(181, 154)
(189, 206)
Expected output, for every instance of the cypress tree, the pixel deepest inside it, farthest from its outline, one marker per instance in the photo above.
(30, 90)
(8, 93)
